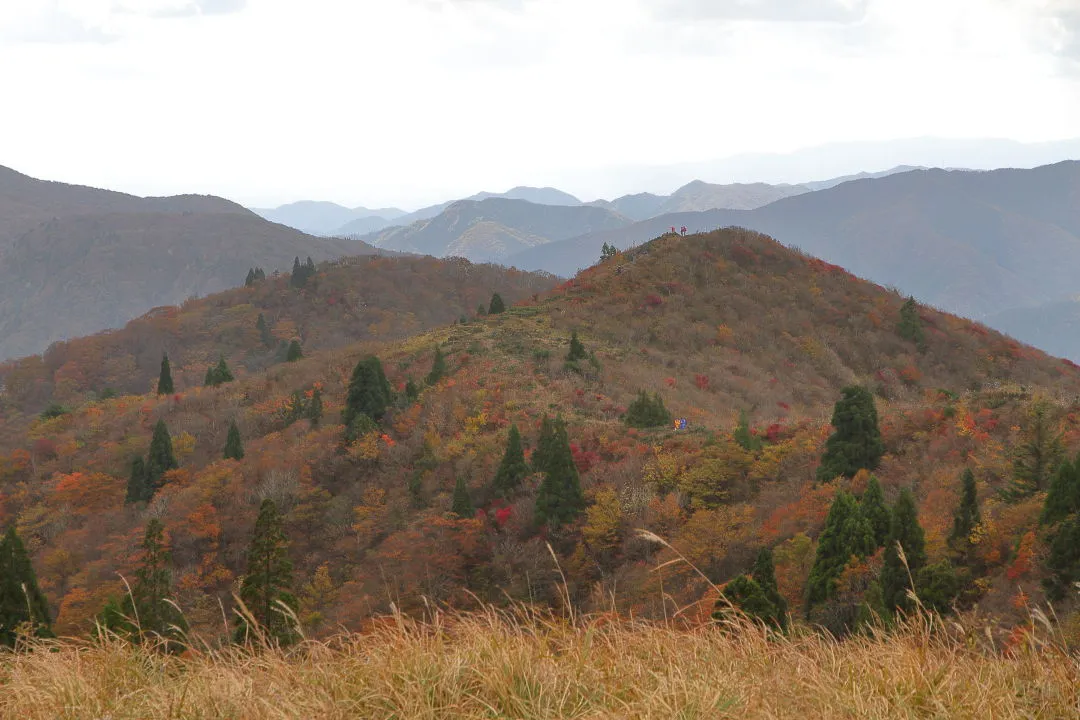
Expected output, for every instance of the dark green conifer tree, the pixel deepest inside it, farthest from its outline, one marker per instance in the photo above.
(847, 534)
(152, 592)
(412, 391)
(161, 458)
(645, 412)
(1063, 498)
(234, 446)
(296, 278)
(577, 350)
(23, 606)
(1037, 458)
(513, 469)
(497, 305)
(873, 507)
(910, 325)
(1064, 560)
(747, 596)
(438, 368)
(369, 395)
(266, 588)
(165, 381)
(219, 374)
(138, 489)
(314, 407)
(904, 532)
(295, 352)
(764, 573)
(264, 331)
(462, 506)
(559, 499)
(967, 516)
(742, 434)
(250, 279)
(856, 441)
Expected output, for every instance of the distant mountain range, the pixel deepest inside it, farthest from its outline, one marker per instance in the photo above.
(75, 260)
(976, 243)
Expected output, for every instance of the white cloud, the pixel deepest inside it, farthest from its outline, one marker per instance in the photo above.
(382, 103)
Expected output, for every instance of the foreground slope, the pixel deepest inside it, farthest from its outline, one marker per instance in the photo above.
(75, 260)
(716, 324)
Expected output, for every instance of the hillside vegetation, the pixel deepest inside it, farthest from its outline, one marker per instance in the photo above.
(403, 509)
(75, 260)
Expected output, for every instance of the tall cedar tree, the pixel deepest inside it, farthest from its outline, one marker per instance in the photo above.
(161, 458)
(856, 441)
(138, 489)
(1064, 560)
(645, 412)
(744, 436)
(150, 600)
(22, 604)
(234, 445)
(1038, 456)
(314, 407)
(847, 534)
(873, 507)
(559, 499)
(462, 506)
(577, 350)
(756, 595)
(910, 325)
(264, 331)
(218, 374)
(165, 382)
(266, 588)
(250, 279)
(497, 305)
(438, 368)
(295, 352)
(905, 532)
(1063, 499)
(513, 469)
(369, 395)
(967, 516)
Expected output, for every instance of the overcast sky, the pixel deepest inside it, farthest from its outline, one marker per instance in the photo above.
(406, 102)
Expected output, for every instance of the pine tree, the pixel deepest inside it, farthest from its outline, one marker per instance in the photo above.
(138, 489)
(23, 606)
(462, 506)
(1038, 456)
(607, 251)
(314, 407)
(747, 596)
(295, 352)
(967, 517)
(296, 279)
(910, 325)
(260, 274)
(480, 310)
(161, 458)
(264, 331)
(1063, 499)
(742, 434)
(265, 589)
(513, 469)
(764, 573)
(856, 441)
(873, 507)
(438, 368)
(250, 279)
(906, 533)
(219, 374)
(559, 499)
(1064, 560)
(577, 350)
(152, 590)
(234, 446)
(497, 305)
(412, 391)
(369, 395)
(165, 381)
(847, 534)
(645, 412)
